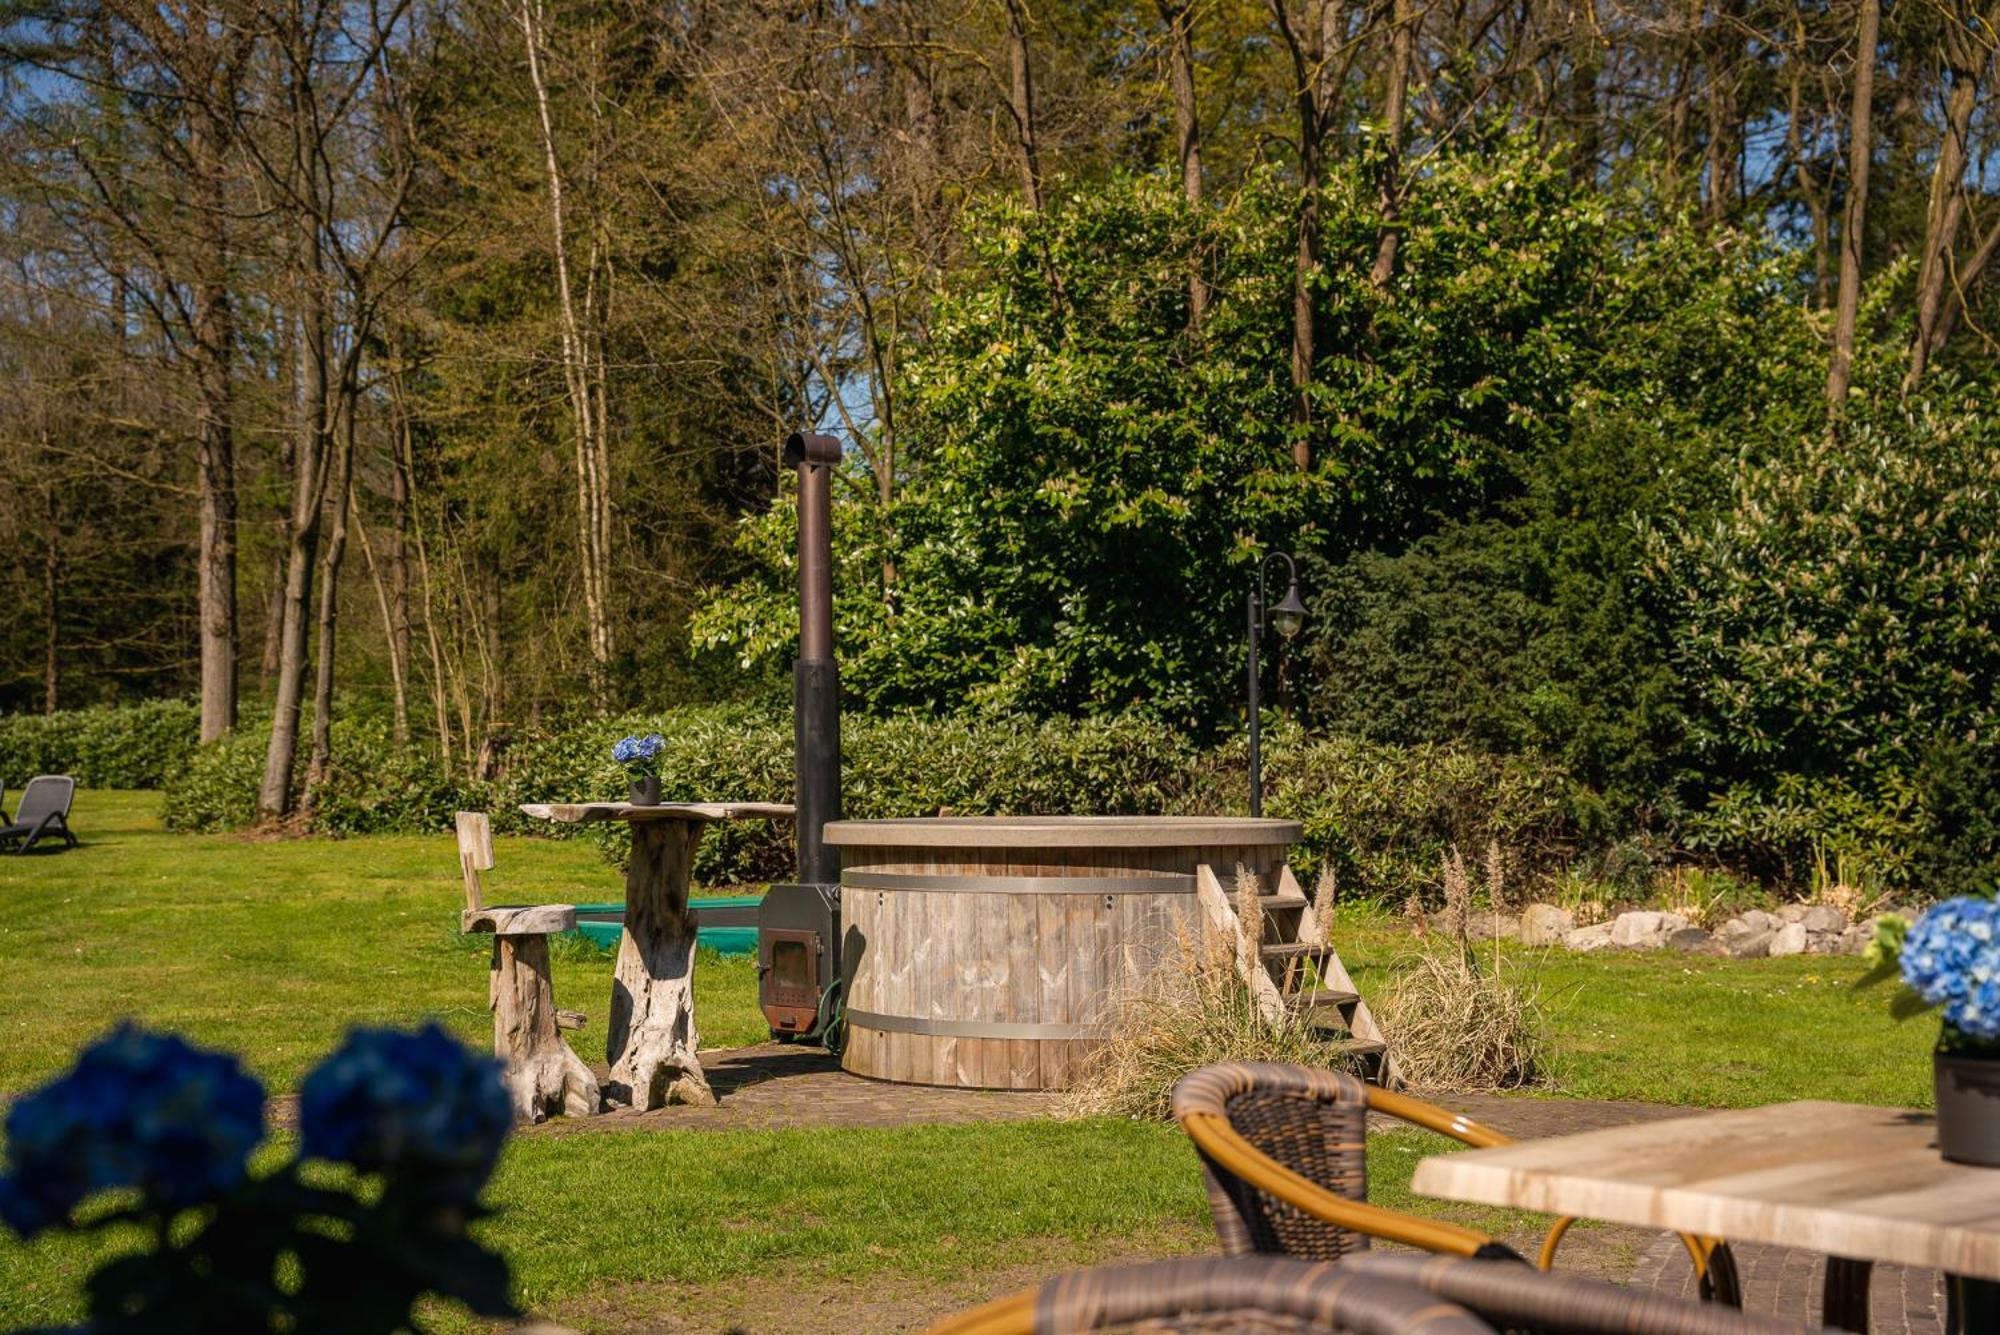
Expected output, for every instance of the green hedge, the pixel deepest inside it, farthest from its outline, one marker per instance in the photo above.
(1382, 814)
(132, 746)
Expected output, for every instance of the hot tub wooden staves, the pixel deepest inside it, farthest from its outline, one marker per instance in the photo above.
(990, 952)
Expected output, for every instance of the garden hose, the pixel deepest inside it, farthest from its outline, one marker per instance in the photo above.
(830, 1025)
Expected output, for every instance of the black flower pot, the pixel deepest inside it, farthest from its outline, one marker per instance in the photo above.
(1968, 1109)
(646, 791)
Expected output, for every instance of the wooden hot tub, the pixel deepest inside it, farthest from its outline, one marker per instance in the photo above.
(987, 951)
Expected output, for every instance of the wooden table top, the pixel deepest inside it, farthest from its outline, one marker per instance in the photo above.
(575, 812)
(1836, 1178)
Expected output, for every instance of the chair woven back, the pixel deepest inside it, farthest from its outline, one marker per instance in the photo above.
(1243, 1294)
(1313, 1122)
(1516, 1298)
(45, 795)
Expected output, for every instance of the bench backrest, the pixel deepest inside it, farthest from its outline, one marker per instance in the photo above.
(475, 853)
(46, 795)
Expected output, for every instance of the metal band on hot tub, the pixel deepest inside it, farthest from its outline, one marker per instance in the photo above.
(910, 1024)
(1167, 884)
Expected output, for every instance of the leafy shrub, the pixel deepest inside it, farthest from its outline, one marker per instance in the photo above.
(1521, 631)
(216, 789)
(126, 746)
(1385, 815)
(1841, 616)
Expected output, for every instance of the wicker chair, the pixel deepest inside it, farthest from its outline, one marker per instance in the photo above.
(1211, 1294)
(1284, 1152)
(1513, 1298)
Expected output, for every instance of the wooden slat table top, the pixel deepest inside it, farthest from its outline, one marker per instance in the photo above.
(576, 812)
(1837, 1178)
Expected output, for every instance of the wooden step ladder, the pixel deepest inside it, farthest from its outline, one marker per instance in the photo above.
(1292, 969)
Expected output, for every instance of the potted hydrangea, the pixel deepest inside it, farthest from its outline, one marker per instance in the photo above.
(1949, 960)
(147, 1129)
(641, 758)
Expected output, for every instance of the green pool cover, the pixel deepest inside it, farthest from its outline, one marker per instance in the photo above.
(728, 927)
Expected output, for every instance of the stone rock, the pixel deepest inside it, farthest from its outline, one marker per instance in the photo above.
(1695, 941)
(1545, 924)
(1855, 940)
(1792, 913)
(1487, 926)
(1790, 940)
(1594, 937)
(1753, 945)
(1823, 918)
(1644, 929)
(1757, 920)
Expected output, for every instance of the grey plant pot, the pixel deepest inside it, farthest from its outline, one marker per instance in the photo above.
(1968, 1109)
(646, 791)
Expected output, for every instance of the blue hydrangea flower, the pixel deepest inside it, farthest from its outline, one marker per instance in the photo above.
(147, 1111)
(419, 1104)
(1943, 947)
(651, 745)
(625, 750)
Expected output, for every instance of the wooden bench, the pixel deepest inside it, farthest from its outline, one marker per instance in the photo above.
(544, 1076)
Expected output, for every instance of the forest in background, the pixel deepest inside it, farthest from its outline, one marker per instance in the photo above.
(1621, 372)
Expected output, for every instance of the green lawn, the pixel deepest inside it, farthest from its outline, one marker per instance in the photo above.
(272, 948)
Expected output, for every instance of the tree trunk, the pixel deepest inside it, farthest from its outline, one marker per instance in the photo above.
(1389, 185)
(1310, 47)
(215, 448)
(274, 794)
(1021, 102)
(1964, 280)
(51, 604)
(1725, 115)
(582, 382)
(1179, 18)
(340, 492)
(1860, 146)
(1964, 62)
(399, 583)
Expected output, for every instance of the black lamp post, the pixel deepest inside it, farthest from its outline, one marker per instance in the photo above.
(1286, 618)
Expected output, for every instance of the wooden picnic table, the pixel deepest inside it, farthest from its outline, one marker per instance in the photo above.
(650, 1040)
(1858, 1184)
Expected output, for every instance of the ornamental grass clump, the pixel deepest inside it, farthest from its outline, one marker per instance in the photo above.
(149, 1130)
(1457, 1023)
(1193, 1011)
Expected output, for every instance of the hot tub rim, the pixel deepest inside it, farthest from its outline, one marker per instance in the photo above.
(1064, 832)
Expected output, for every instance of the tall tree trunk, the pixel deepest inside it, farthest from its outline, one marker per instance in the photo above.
(1388, 189)
(1853, 228)
(1310, 45)
(1724, 51)
(340, 493)
(1966, 278)
(51, 603)
(1586, 67)
(1021, 102)
(580, 379)
(309, 484)
(1964, 61)
(215, 447)
(1179, 18)
(398, 613)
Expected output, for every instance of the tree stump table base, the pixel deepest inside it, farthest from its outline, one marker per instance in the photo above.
(650, 1040)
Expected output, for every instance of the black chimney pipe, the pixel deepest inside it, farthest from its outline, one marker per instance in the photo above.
(815, 676)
